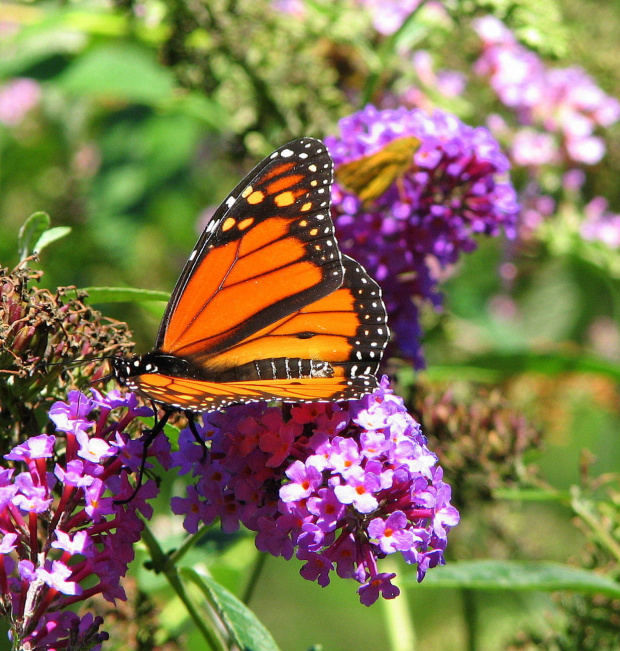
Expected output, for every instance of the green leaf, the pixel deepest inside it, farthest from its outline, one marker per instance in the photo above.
(120, 71)
(242, 624)
(30, 233)
(539, 25)
(497, 365)
(531, 495)
(123, 295)
(199, 107)
(518, 575)
(51, 235)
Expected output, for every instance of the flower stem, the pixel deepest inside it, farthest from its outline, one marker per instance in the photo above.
(581, 509)
(207, 628)
(386, 50)
(397, 616)
(187, 544)
(259, 564)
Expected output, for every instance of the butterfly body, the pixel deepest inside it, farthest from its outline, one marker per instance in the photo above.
(267, 307)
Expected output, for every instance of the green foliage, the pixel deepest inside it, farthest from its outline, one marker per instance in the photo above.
(36, 234)
(240, 622)
(521, 575)
(539, 25)
(149, 112)
(122, 71)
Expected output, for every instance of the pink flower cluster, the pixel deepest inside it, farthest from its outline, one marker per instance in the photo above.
(64, 537)
(17, 97)
(600, 224)
(561, 107)
(338, 486)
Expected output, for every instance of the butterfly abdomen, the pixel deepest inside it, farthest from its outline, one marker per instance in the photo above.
(279, 368)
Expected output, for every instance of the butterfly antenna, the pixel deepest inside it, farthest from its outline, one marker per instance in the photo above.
(74, 362)
(77, 362)
(148, 439)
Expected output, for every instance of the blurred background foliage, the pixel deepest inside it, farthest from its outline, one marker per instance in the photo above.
(129, 121)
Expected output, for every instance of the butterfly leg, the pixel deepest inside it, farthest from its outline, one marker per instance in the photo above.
(191, 422)
(150, 436)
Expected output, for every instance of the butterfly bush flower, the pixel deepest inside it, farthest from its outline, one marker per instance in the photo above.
(601, 225)
(64, 536)
(357, 483)
(455, 187)
(563, 104)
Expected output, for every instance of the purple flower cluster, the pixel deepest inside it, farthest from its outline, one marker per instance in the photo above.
(455, 187)
(563, 104)
(64, 537)
(339, 486)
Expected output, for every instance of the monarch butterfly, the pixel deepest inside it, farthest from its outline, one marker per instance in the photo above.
(266, 307)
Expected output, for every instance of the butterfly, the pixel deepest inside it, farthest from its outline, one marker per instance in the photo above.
(370, 176)
(267, 307)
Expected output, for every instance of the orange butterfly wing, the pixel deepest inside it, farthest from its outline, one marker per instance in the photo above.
(267, 307)
(269, 249)
(328, 350)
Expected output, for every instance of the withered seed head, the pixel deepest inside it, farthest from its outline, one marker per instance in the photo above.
(479, 437)
(38, 328)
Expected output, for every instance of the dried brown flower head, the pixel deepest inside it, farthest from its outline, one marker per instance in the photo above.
(41, 334)
(479, 437)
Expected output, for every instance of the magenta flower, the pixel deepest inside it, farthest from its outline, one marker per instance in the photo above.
(278, 442)
(359, 489)
(64, 538)
(380, 584)
(343, 498)
(389, 15)
(304, 480)
(327, 508)
(600, 224)
(391, 534)
(36, 447)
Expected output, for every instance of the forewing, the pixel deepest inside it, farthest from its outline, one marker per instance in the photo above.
(268, 251)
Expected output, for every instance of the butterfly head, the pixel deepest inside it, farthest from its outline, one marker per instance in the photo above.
(124, 368)
(155, 362)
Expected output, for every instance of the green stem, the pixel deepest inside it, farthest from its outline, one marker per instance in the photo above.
(259, 565)
(581, 509)
(187, 544)
(470, 612)
(386, 50)
(208, 628)
(397, 616)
